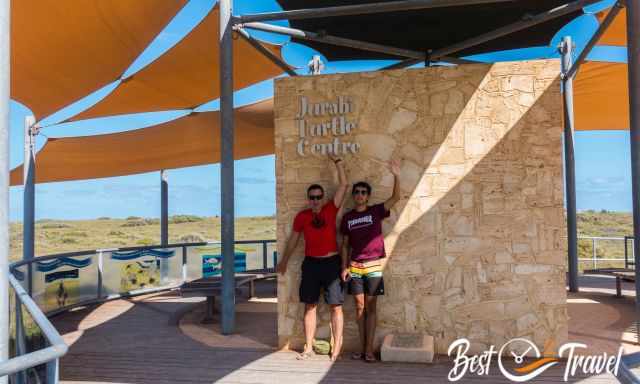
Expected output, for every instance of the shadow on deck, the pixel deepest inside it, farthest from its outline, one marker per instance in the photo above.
(156, 339)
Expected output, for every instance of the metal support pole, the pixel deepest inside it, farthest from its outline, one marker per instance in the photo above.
(29, 193)
(164, 208)
(361, 9)
(633, 53)
(164, 224)
(566, 49)
(596, 36)
(226, 167)
(267, 53)
(5, 65)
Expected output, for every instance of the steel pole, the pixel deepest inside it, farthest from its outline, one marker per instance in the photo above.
(566, 49)
(633, 53)
(164, 224)
(29, 193)
(4, 179)
(164, 208)
(226, 167)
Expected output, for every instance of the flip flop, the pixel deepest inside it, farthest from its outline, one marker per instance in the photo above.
(369, 358)
(304, 355)
(357, 356)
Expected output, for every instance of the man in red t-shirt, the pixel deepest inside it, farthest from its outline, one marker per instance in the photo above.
(322, 264)
(362, 251)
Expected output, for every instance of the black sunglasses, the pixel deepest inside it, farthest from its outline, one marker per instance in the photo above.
(316, 197)
(360, 192)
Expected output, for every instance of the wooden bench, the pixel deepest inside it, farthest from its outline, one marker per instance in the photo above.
(210, 287)
(619, 273)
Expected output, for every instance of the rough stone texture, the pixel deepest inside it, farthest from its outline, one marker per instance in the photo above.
(476, 243)
(407, 348)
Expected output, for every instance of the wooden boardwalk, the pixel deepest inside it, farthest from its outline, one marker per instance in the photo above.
(138, 341)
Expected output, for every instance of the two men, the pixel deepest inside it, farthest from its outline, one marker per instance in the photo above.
(359, 262)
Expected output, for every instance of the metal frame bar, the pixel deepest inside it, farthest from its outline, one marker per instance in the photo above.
(511, 28)
(29, 192)
(633, 59)
(227, 213)
(52, 353)
(361, 9)
(5, 80)
(566, 50)
(267, 53)
(334, 40)
(596, 36)
(164, 207)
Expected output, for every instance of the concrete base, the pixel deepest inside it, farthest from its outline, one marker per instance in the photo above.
(407, 348)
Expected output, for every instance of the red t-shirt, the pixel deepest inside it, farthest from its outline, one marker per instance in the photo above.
(321, 241)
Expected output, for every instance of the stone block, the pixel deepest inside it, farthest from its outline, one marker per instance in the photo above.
(407, 348)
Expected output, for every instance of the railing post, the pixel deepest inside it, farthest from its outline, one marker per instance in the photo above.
(184, 264)
(30, 279)
(100, 269)
(265, 265)
(21, 347)
(593, 252)
(52, 372)
(626, 250)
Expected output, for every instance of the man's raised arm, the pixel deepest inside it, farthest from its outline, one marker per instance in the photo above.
(394, 167)
(343, 185)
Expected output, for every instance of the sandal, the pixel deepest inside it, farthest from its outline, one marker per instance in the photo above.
(304, 355)
(369, 358)
(357, 356)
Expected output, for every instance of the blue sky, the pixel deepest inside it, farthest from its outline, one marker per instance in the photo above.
(602, 158)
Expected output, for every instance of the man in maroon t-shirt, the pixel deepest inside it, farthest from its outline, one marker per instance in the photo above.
(322, 264)
(362, 249)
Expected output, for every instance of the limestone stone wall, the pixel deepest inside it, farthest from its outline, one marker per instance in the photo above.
(476, 245)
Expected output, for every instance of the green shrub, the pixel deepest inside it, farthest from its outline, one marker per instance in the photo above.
(53, 225)
(69, 240)
(136, 223)
(134, 218)
(116, 233)
(77, 234)
(145, 241)
(179, 219)
(191, 238)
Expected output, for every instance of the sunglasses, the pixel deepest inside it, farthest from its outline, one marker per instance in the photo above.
(362, 192)
(316, 197)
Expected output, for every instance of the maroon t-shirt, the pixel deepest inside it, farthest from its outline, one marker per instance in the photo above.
(365, 232)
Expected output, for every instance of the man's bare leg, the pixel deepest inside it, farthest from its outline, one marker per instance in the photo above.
(371, 305)
(360, 319)
(309, 326)
(337, 325)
